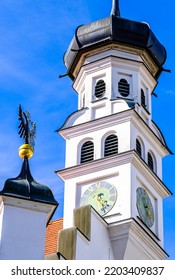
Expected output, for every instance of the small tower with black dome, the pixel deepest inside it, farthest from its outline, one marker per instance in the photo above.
(26, 206)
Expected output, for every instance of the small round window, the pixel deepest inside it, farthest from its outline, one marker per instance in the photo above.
(100, 89)
(124, 87)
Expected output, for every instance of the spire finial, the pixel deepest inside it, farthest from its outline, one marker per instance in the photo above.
(115, 8)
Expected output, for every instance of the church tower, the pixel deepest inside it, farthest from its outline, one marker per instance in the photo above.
(114, 149)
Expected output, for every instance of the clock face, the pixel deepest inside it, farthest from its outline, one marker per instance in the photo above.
(144, 207)
(101, 195)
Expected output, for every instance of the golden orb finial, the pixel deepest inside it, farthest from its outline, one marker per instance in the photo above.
(25, 151)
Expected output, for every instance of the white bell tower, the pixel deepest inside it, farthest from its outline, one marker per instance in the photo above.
(114, 149)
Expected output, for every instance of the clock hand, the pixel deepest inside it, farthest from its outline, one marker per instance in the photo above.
(148, 207)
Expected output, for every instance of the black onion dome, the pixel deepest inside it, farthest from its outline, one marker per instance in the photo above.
(115, 29)
(25, 187)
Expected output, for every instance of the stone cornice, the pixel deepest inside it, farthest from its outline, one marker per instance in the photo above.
(115, 119)
(93, 125)
(138, 236)
(114, 161)
(146, 59)
(25, 204)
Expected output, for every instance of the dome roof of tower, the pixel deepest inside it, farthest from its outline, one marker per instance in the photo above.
(25, 187)
(115, 29)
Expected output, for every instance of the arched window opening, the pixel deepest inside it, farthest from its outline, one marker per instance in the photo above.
(143, 99)
(100, 89)
(87, 152)
(111, 145)
(150, 162)
(124, 87)
(138, 148)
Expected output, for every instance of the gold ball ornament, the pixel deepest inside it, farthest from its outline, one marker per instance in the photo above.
(25, 151)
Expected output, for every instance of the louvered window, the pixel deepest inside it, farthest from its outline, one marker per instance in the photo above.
(100, 89)
(124, 87)
(138, 148)
(143, 100)
(111, 145)
(87, 152)
(150, 162)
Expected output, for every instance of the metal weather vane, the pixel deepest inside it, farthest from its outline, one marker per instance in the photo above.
(27, 128)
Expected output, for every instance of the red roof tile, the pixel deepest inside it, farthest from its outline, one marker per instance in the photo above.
(52, 236)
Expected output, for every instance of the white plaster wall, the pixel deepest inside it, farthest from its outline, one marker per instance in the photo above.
(98, 136)
(86, 82)
(126, 249)
(99, 246)
(131, 242)
(23, 234)
(150, 144)
(126, 178)
(110, 66)
(119, 176)
(119, 241)
(138, 180)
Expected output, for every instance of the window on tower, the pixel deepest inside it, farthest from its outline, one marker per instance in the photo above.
(150, 161)
(111, 145)
(100, 89)
(143, 99)
(138, 148)
(87, 152)
(124, 87)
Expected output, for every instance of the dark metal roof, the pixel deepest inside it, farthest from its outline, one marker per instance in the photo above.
(119, 30)
(25, 187)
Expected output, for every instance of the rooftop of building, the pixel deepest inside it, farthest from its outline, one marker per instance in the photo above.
(118, 30)
(52, 233)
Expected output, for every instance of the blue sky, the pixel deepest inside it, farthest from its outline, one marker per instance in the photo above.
(34, 36)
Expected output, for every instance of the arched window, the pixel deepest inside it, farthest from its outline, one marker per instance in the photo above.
(138, 148)
(87, 152)
(143, 99)
(100, 89)
(111, 145)
(150, 161)
(124, 87)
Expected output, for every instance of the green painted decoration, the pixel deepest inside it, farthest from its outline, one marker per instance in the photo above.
(101, 196)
